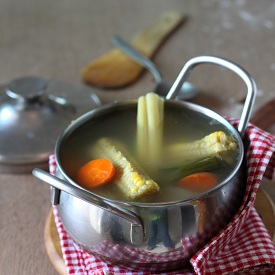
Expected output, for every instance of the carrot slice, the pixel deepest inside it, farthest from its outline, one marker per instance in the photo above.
(199, 182)
(95, 173)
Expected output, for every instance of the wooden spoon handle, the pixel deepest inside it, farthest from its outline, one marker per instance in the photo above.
(148, 41)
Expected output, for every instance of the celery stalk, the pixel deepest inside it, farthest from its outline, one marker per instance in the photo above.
(201, 165)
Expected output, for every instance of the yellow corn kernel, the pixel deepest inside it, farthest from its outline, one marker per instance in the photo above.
(130, 179)
(212, 144)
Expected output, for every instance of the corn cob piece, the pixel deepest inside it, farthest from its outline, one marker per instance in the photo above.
(129, 177)
(213, 144)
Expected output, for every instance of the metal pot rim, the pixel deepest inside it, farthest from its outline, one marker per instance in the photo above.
(120, 104)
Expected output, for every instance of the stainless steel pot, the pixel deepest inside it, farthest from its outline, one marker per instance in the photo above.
(120, 232)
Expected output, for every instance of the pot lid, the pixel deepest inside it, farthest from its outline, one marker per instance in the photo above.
(33, 113)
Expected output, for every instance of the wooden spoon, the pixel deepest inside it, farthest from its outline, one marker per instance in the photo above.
(114, 69)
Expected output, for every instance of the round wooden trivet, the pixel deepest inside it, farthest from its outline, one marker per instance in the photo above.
(52, 243)
(263, 204)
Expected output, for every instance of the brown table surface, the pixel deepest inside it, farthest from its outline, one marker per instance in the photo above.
(55, 39)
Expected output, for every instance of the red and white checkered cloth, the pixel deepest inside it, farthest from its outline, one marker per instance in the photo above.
(244, 246)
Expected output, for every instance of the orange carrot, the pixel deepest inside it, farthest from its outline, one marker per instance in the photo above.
(199, 182)
(95, 173)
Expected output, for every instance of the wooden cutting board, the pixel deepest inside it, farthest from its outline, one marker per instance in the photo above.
(263, 204)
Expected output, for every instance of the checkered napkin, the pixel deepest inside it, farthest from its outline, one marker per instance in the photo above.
(244, 246)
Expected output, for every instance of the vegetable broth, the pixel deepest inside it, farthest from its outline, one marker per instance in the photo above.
(180, 124)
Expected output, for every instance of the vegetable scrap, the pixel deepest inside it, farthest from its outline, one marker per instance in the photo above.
(95, 173)
(212, 144)
(201, 165)
(150, 116)
(199, 182)
(133, 181)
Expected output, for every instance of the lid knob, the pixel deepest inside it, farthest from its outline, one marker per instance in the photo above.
(27, 88)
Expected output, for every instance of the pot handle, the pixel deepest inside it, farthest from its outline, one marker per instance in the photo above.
(243, 74)
(136, 232)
